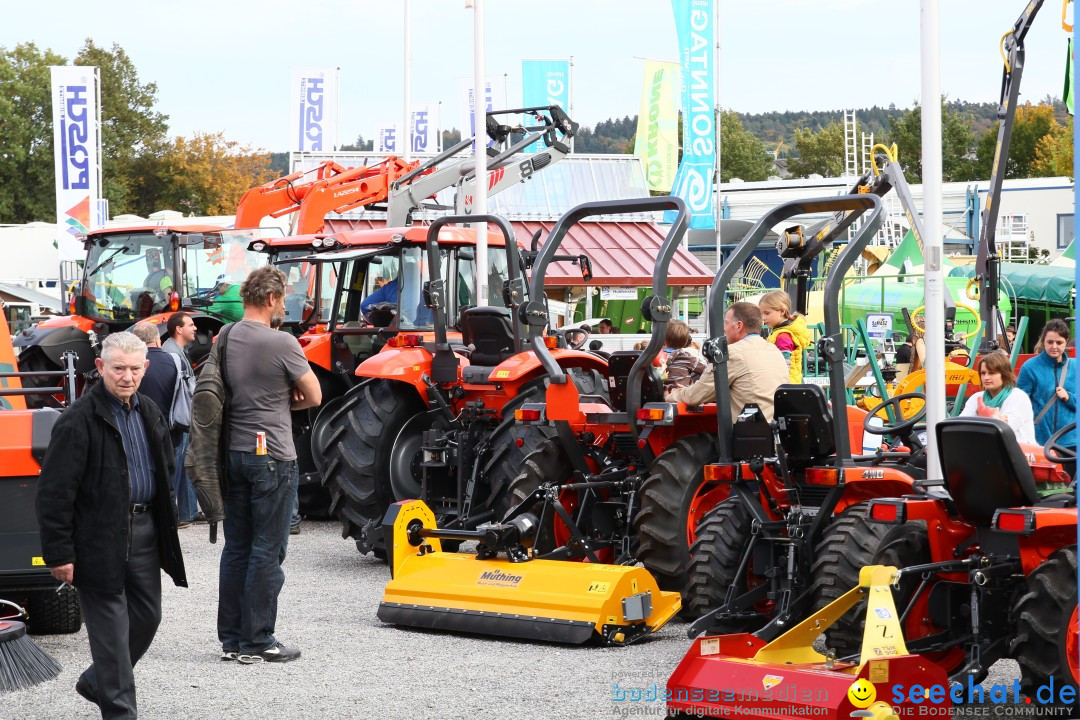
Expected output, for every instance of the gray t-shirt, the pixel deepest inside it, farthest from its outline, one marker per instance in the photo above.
(262, 366)
(171, 346)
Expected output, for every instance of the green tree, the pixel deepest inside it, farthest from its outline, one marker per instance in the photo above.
(26, 141)
(820, 152)
(208, 174)
(741, 154)
(957, 139)
(131, 128)
(1054, 153)
(1032, 124)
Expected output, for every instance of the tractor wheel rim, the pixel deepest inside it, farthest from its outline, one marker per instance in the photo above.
(406, 474)
(708, 496)
(1072, 647)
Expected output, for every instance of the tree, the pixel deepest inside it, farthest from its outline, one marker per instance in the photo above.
(957, 139)
(131, 128)
(741, 154)
(1054, 153)
(819, 152)
(359, 145)
(26, 140)
(1032, 124)
(208, 174)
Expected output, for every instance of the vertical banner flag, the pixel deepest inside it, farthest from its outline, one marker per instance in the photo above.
(423, 128)
(544, 83)
(495, 99)
(388, 139)
(1068, 79)
(75, 150)
(693, 182)
(313, 105)
(657, 142)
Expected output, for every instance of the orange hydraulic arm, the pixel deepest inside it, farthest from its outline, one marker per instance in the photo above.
(281, 196)
(347, 190)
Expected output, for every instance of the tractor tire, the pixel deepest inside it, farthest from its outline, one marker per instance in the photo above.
(53, 613)
(33, 359)
(315, 501)
(662, 524)
(547, 463)
(360, 443)
(847, 544)
(722, 539)
(1046, 642)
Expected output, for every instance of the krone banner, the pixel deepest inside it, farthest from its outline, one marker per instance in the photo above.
(657, 142)
(76, 145)
(544, 83)
(313, 101)
(694, 181)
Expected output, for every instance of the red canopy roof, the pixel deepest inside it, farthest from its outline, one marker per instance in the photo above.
(622, 253)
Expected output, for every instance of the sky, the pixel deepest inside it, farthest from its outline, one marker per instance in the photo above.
(225, 65)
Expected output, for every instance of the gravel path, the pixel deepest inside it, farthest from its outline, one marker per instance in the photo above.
(353, 666)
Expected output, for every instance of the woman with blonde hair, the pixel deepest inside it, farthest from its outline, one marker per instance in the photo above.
(787, 330)
(1001, 399)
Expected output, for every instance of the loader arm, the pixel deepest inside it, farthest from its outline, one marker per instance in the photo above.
(350, 189)
(987, 260)
(282, 196)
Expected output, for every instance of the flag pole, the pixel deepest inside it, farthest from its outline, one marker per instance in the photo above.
(480, 148)
(406, 126)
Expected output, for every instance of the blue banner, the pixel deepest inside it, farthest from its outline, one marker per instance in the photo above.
(544, 82)
(694, 180)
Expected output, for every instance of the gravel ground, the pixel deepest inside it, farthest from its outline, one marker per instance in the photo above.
(354, 666)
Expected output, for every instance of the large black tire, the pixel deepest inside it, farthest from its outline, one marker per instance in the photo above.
(34, 359)
(722, 539)
(53, 612)
(1043, 614)
(847, 544)
(357, 456)
(315, 500)
(547, 463)
(661, 525)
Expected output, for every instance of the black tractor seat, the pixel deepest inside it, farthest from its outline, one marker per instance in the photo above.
(489, 332)
(806, 424)
(619, 364)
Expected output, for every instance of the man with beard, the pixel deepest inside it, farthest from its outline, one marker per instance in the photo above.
(268, 378)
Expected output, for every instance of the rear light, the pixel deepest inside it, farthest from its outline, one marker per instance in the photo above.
(304, 341)
(551, 342)
(720, 473)
(71, 305)
(1020, 522)
(650, 414)
(822, 476)
(405, 340)
(893, 512)
(527, 415)
(174, 302)
(657, 414)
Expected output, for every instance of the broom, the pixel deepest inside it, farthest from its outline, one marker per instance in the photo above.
(22, 663)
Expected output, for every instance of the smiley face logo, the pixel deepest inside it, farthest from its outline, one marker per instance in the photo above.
(862, 693)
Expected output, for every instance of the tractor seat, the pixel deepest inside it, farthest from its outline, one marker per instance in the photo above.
(984, 468)
(620, 363)
(806, 425)
(489, 330)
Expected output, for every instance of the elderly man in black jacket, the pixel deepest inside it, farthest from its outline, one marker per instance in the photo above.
(108, 522)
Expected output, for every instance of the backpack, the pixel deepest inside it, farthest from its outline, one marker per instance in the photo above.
(207, 454)
(183, 391)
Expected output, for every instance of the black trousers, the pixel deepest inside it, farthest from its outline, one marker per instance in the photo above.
(122, 626)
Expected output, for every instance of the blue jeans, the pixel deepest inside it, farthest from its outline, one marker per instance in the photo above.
(187, 505)
(258, 508)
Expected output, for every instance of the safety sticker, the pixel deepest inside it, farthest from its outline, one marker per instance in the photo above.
(600, 588)
(883, 613)
(37, 561)
(710, 646)
(771, 681)
(501, 374)
(879, 671)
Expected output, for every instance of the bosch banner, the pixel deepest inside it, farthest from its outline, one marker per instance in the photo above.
(693, 182)
(544, 83)
(657, 142)
(494, 99)
(76, 146)
(313, 104)
(388, 139)
(424, 128)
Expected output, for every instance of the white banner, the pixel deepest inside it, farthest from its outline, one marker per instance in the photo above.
(313, 105)
(76, 145)
(424, 128)
(495, 99)
(387, 140)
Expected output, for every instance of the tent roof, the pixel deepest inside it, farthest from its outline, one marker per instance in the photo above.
(1039, 283)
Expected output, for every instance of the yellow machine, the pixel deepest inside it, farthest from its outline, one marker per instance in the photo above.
(513, 595)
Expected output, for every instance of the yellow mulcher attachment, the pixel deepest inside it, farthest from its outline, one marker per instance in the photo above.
(515, 595)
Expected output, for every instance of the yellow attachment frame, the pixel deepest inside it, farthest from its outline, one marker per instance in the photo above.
(891, 153)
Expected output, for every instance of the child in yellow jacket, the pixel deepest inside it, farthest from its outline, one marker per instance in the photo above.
(787, 330)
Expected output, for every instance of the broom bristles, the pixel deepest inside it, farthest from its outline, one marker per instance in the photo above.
(23, 664)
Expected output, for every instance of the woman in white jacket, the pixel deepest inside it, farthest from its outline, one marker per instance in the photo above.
(1001, 399)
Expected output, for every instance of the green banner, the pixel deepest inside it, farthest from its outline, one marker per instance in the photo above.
(657, 142)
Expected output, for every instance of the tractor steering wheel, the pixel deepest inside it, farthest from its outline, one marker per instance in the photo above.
(570, 333)
(1057, 453)
(901, 428)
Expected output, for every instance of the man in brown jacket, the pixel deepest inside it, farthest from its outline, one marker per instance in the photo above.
(755, 367)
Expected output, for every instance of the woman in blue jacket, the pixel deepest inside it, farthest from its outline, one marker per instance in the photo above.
(1049, 379)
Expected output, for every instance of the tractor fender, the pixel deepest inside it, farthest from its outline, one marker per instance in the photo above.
(524, 364)
(406, 365)
(53, 342)
(880, 481)
(316, 347)
(63, 321)
(1055, 527)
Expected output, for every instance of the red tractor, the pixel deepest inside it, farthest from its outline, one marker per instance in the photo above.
(987, 557)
